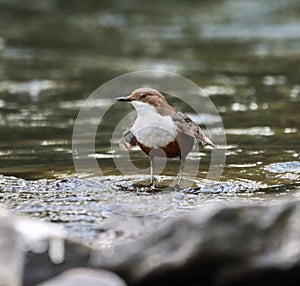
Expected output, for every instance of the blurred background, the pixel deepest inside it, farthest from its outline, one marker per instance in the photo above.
(54, 54)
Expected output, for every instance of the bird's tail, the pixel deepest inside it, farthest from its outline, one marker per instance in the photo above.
(206, 142)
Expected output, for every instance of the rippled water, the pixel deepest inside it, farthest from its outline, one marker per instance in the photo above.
(244, 54)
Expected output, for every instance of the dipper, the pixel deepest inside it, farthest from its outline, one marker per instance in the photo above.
(159, 129)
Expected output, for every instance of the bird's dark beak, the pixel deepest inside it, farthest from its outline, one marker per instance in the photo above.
(123, 98)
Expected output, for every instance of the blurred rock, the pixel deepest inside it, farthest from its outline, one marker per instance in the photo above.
(243, 245)
(32, 251)
(67, 254)
(218, 245)
(11, 247)
(86, 277)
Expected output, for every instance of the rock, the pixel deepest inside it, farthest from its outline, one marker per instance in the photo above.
(11, 248)
(242, 245)
(40, 266)
(217, 245)
(32, 251)
(86, 277)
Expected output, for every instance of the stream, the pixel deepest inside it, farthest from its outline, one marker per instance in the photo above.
(53, 56)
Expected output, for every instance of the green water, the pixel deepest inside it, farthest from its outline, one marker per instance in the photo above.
(53, 55)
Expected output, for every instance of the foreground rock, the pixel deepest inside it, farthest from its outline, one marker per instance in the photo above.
(85, 277)
(228, 245)
(215, 246)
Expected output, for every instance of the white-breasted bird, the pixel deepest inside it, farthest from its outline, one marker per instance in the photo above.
(159, 129)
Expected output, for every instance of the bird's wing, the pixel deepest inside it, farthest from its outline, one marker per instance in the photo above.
(187, 126)
(128, 140)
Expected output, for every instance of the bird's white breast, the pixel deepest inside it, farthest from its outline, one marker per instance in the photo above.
(152, 129)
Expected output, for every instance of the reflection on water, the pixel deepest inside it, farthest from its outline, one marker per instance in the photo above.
(244, 54)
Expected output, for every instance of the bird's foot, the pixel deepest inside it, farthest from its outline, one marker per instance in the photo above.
(177, 187)
(152, 187)
(153, 180)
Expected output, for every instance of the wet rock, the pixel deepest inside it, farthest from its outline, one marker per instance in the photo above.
(86, 277)
(285, 170)
(284, 167)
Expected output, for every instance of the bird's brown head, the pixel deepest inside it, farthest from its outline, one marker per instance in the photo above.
(146, 95)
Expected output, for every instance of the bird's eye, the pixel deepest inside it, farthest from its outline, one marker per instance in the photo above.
(143, 95)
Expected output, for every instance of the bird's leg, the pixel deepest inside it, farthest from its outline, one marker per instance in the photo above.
(182, 161)
(151, 170)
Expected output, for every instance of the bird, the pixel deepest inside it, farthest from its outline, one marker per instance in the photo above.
(159, 129)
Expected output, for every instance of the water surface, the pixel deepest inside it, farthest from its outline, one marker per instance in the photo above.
(244, 54)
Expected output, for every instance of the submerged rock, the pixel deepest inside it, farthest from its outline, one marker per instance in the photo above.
(284, 167)
(217, 245)
(285, 170)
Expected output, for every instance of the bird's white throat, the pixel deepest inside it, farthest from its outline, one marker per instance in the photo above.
(142, 107)
(150, 128)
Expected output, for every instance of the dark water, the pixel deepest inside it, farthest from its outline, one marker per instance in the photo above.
(53, 55)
